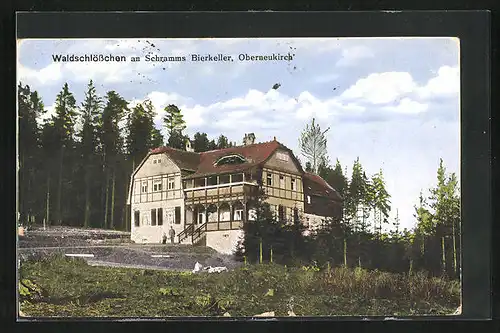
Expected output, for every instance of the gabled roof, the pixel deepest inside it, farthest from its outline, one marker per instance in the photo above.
(185, 160)
(204, 163)
(315, 185)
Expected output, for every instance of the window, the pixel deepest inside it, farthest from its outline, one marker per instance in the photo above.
(177, 215)
(282, 157)
(230, 159)
(237, 178)
(308, 199)
(144, 188)
(171, 183)
(296, 215)
(160, 216)
(137, 216)
(224, 179)
(154, 161)
(238, 214)
(157, 185)
(212, 180)
(200, 218)
(282, 181)
(158, 161)
(153, 216)
(281, 213)
(294, 185)
(269, 179)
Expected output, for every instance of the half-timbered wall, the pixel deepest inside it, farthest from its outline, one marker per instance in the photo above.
(282, 183)
(157, 184)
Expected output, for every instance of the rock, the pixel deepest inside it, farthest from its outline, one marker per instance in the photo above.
(217, 269)
(291, 314)
(197, 267)
(265, 314)
(226, 314)
(22, 314)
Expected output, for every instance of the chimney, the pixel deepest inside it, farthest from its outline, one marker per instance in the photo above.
(188, 146)
(249, 139)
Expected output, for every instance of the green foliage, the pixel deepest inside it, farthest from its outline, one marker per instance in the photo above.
(73, 288)
(173, 119)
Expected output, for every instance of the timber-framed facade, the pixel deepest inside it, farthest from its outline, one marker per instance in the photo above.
(206, 197)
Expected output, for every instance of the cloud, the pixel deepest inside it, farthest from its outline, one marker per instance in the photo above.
(47, 75)
(351, 55)
(388, 87)
(380, 88)
(408, 106)
(446, 83)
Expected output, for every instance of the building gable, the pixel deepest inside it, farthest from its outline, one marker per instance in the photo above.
(283, 160)
(155, 165)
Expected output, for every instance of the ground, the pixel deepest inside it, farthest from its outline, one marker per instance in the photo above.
(52, 284)
(114, 248)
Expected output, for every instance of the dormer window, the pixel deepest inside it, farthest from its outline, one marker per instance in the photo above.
(230, 159)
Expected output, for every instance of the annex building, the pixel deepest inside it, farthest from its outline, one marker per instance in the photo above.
(205, 197)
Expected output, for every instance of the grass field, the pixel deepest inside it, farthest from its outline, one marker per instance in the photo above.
(59, 286)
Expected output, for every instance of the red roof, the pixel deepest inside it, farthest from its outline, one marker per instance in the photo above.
(204, 163)
(315, 185)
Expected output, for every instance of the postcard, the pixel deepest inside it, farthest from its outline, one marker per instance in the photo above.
(239, 177)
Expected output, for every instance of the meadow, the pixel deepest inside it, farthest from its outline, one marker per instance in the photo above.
(57, 286)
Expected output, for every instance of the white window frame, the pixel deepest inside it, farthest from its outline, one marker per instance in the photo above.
(294, 184)
(269, 179)
(171, 183)
(144, 186)
(282, 181)
(238, 215)
(157, 185)
(202, 219)
(309, 199)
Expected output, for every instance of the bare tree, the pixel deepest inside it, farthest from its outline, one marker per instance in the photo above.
(312, 143)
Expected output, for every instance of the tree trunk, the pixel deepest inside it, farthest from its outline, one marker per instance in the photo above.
(444, 255)
(87, 200)
(106, 204)
(112, 221)
(345, 252)
(47, 203)
(59, 188)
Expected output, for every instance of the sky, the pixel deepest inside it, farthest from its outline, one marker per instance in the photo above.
(392, 102)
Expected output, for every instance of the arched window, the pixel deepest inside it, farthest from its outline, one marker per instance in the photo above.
(230, 159)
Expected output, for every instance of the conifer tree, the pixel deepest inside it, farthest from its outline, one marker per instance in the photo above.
(64, 122)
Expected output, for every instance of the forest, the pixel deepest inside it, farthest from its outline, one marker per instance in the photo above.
(74, 169)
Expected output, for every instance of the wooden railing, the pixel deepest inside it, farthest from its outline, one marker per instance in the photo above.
(198, 233)
(186, 233)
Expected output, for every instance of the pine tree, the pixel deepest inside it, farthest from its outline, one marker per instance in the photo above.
(64, 122)
(201, 142)
(90, 113)
(30, 107)
(223, 142)
(112, 141)
(173, 120)
(380, 201)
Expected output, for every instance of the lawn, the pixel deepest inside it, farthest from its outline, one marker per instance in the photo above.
(59, 286)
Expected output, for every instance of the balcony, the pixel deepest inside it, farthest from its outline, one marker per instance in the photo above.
(220, 192)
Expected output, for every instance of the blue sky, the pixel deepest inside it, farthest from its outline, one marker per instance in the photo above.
(394, 102)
